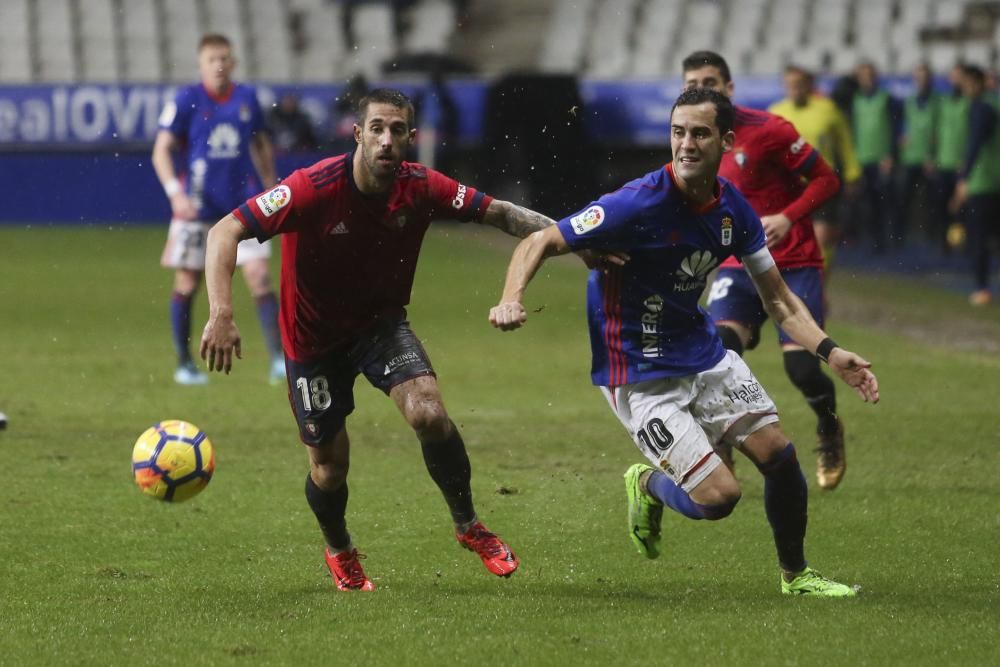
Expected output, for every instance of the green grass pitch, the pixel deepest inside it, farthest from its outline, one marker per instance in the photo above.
(94, 573)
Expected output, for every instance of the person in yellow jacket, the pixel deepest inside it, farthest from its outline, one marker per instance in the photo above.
(822, 125)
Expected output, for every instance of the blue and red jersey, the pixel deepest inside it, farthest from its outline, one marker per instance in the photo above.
(644, 317)
(779, 172)
(217, 131)
(348, 258)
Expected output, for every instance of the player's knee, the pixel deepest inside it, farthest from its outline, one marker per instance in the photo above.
(330, 476)
(718, 495)
(429, 420)
(730, 339)
(186, 281)
(258, 278)
(720, 510)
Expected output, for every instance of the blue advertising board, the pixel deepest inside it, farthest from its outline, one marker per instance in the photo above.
(61, 146)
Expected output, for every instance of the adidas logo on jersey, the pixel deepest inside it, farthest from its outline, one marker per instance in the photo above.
(341, 228)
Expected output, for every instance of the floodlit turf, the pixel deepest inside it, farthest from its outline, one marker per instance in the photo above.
(94, 573)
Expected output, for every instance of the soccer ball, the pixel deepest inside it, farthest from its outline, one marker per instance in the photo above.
(173, 461)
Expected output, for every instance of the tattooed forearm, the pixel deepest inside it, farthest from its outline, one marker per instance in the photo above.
(515, 220)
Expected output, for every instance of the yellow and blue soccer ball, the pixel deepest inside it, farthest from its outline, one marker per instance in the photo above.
(173, 461)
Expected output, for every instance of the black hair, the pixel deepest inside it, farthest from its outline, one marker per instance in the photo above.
(724, 112)
(700, 59)
(388, 96)
(975, 72)
(810, 78)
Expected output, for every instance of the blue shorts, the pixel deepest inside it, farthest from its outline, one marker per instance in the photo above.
(321, 391)
(733, 298)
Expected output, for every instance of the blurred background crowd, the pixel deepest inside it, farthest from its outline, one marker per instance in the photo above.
(542, 101)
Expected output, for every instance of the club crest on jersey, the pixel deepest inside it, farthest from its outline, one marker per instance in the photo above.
(587, 220)
(244, 113)
(740, 157)
(727, 231)
(271, 201)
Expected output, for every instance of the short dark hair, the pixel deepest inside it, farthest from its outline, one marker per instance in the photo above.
(214, 39)
(724, 112)
(974, 72)
(389, 96)
(792, 68)
(700, 59)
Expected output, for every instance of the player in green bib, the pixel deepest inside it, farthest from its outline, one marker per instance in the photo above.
(875, 117)
(950, 137)
(920, 119)
(978, 188)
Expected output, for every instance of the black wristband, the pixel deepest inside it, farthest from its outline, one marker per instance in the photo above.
(824, 349)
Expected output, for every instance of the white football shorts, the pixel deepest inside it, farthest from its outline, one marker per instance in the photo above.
(186, 245)
(677, 423)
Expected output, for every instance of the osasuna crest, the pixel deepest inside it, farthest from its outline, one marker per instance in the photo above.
(727, 231)
(740, 157)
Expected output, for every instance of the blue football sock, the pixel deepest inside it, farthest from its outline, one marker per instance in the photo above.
(267, 313)
(180, 325)
(786, 500)
(663, 489)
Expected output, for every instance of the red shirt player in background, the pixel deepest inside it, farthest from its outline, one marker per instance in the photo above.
(351, 227)
(785, 180)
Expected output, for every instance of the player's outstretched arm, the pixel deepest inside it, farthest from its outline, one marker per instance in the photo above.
(515, 220)
(530, 253)
(221, 338)
(521, 222)
(794, 318)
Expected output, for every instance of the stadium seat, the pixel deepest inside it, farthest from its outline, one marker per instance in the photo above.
(562, 50)
(432, 23)
(768, 61)
(182, 21)
(784, 27)
(100, 59)
(56, 53)
(942, 56)
(15, 47)
(141, 56)
(655, 30)
(828, 25)
(324, 49)
(980, 52)
(374, 39)
(272, 43)
(948, 12)
(609, 53)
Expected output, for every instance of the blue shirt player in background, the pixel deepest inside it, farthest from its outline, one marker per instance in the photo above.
(656, 354)
(220, 127)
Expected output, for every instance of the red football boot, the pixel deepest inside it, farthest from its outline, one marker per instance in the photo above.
(346, 570)
(497, 556)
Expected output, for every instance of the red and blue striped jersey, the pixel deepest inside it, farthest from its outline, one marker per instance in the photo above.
(348, 258)
(644, 317)
(770, 163)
